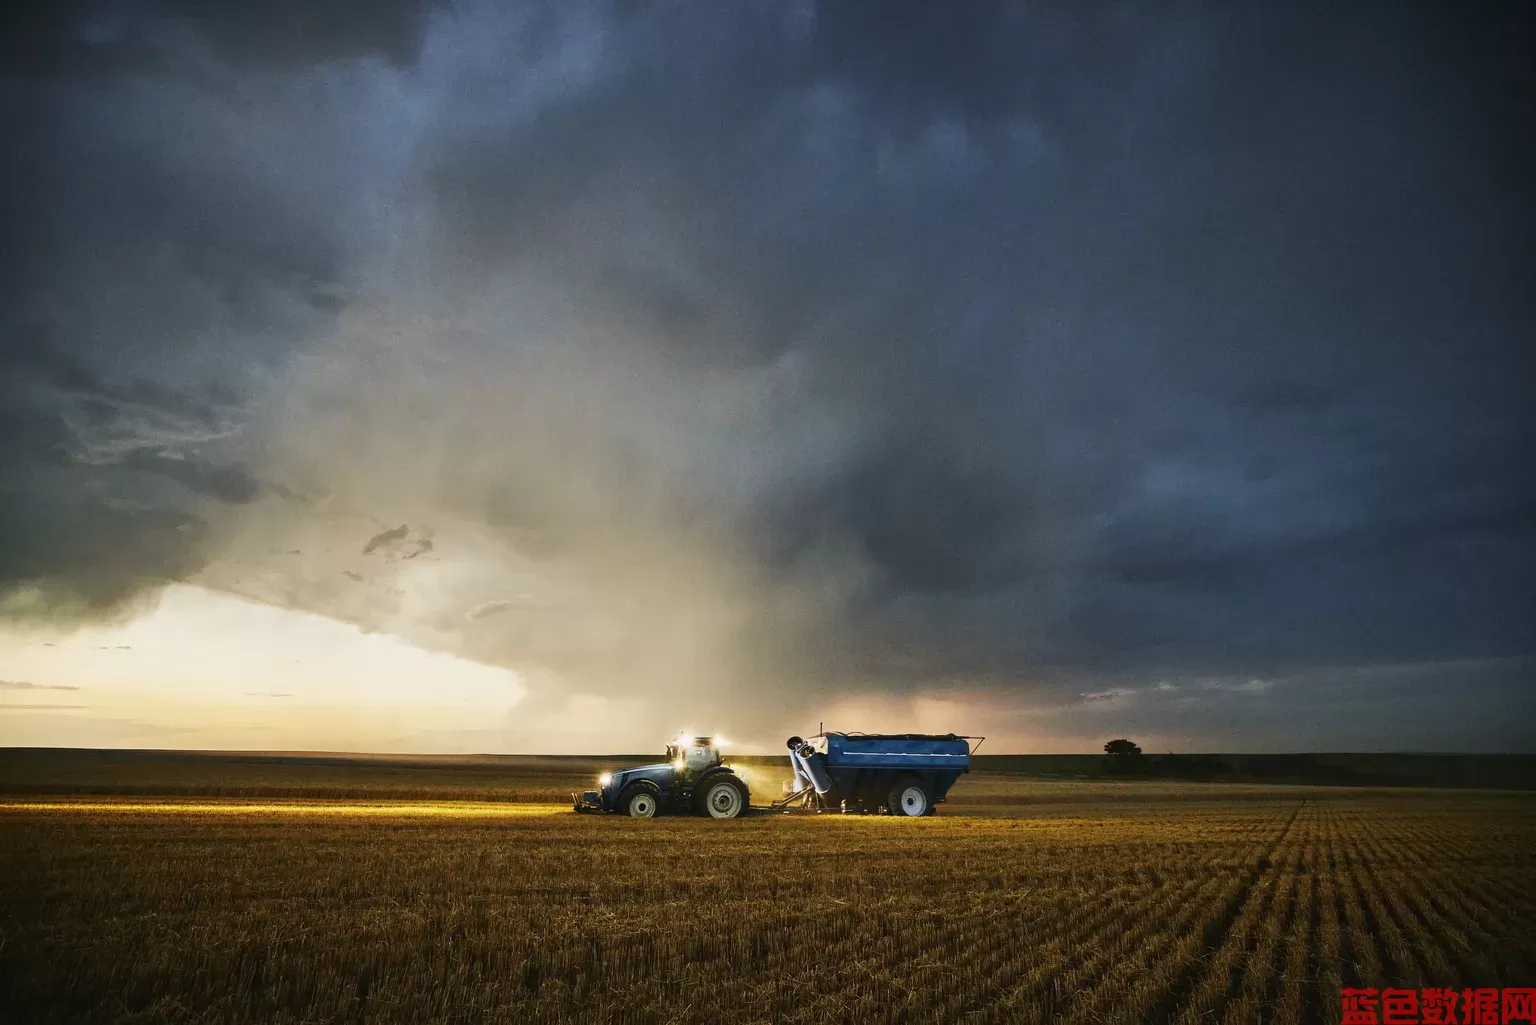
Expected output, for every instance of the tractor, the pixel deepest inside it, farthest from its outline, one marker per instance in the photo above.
(693, 780)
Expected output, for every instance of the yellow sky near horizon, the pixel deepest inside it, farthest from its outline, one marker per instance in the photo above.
(204, 669)
(209, 669)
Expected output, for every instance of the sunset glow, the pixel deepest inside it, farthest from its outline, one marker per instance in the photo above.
(204, 669)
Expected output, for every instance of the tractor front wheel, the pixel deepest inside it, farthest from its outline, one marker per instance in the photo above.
(638, 802)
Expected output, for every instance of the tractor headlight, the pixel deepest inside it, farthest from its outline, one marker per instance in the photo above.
(605, 779)
(678, 765)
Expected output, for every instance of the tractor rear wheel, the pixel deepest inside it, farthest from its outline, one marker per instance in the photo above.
(721, 797)
(638, 802)
(909, 797)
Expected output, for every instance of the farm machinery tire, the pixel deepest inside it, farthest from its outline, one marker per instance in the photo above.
(639, 801)
(721, 796)
(909, 797)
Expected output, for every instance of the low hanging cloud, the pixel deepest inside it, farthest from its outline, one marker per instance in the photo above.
(490, 608)
(1026, 351)
(386, 537)
(22, 685)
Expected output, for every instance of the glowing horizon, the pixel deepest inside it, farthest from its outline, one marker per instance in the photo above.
(221, 671)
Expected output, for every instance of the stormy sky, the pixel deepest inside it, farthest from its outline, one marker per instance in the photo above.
(1067, 370)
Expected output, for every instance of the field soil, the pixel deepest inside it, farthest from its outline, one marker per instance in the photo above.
(209, 891)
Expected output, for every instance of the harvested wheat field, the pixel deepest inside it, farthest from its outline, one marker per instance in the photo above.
(1020, 902)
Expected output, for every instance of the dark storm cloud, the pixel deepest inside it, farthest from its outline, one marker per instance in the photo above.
(173, 228)
(87, 518)
(1001, 345)
(232, 484)
(1200, 344)
(88, 37)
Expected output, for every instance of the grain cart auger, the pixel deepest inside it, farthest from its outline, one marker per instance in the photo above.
(692, 779)
(893, 773)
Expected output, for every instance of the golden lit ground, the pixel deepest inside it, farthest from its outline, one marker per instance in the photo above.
(285, 809)
(1020, 901)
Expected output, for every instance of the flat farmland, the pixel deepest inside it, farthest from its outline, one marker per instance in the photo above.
(1022, 901)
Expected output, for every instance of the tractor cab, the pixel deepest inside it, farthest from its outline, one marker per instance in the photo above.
(693, 756)
(693, 779)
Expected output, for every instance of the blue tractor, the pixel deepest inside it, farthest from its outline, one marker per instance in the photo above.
(692, 780)
(891, 773)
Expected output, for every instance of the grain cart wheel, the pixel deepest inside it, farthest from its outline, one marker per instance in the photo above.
(638, 802)
(721, 797)
(909, 797)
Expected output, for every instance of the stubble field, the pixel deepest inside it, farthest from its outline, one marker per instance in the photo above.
(1022, 901)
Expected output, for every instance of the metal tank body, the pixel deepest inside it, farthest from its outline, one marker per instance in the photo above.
(902, 773)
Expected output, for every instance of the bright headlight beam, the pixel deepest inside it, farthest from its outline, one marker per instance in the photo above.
(605, 779)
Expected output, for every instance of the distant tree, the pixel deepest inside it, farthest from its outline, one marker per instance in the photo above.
(1122, 748)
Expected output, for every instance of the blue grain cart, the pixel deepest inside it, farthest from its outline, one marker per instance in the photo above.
(891, 773)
